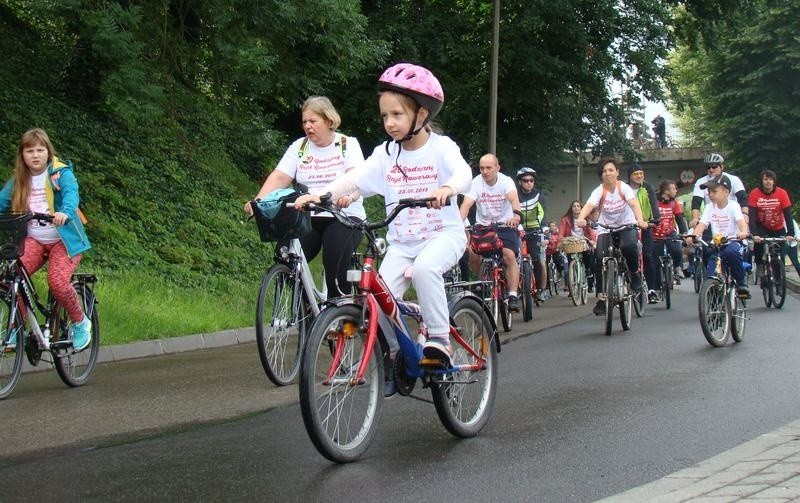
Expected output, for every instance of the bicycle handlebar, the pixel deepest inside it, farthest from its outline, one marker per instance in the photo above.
(613, 228)
(325, 206)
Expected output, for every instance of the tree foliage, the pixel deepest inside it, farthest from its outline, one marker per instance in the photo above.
(741, 89)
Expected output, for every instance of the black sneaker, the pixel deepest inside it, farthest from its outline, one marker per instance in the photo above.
(600, 308)
(513, 303)
(636, 281)
(743, 292)
(652, 297)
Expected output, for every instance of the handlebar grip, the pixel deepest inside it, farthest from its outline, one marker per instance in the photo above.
(419, 203)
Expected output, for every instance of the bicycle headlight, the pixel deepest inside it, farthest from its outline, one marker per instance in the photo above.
(380, 246)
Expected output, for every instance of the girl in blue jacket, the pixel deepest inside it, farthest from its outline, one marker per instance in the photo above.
(44, 184)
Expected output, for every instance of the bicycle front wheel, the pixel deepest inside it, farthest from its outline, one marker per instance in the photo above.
(666, 284)
(341, 415)
(527, 291)
(506, 316)
(779, 280)
(75, 367)
(464, 399)
(699, 273)
(767, 284)
(492, 297)
(611, 294)
(573, 282)
(714, 312)
(11, 346)
(281, 324)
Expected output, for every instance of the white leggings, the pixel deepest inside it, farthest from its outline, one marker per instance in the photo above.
(429, 260)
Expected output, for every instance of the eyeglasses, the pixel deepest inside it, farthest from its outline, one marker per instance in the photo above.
(527, 180)
(714, 167)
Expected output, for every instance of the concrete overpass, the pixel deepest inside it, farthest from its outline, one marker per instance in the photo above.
(567, 181)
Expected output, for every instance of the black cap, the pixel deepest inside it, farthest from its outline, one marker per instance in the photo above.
(633, 168)
(720, 181)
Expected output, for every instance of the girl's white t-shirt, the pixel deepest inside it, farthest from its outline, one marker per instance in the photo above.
(426, 169)
(723, 220)
(491, 201)
(43, 232)
(319, 166)
(615, 211)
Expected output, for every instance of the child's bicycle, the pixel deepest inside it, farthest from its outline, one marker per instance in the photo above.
(359, 339)
(722, 313)
(20, 331)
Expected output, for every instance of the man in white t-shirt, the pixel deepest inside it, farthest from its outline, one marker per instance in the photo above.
(724, 217)
(497, 202)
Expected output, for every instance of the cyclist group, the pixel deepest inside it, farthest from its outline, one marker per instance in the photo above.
(432, 166)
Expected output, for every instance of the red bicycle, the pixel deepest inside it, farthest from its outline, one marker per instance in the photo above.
(360, 338)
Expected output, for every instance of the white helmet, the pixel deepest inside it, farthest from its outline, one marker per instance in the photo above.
(714, 159)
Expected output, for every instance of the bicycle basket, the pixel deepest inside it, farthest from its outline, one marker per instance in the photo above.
(275, 221)
(573, 244)
(13, 229)
(485, 241)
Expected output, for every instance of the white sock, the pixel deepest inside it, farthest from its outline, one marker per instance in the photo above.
(512, 294)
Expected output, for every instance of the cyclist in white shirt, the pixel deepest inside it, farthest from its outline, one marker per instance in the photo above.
(497, 202)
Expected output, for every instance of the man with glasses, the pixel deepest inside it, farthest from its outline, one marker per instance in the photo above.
(531, 202)
(714, 167)
(714, 163)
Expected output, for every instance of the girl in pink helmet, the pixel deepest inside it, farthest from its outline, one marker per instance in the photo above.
(415, 162)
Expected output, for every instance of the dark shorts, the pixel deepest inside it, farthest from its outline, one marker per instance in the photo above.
(510, 238)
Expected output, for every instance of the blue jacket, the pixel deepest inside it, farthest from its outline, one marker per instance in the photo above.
(61, 189)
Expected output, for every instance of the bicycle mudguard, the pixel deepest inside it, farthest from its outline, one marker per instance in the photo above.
(384, 323)
(451, 303)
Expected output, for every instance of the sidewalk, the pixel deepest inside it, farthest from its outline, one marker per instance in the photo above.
(764, 469)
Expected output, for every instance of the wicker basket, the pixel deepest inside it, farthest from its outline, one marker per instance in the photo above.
(573, 244)
(13, 229)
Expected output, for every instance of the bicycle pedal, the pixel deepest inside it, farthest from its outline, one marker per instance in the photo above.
(434, 362)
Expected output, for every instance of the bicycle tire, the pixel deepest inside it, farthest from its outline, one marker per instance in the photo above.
(492, 300)
(341, 419)
(584, 282)
(699, 273)
(625, 301)
(767, 288)
(779, 282)
(281, 324)
(506, 316)
(527, 291)
(738, 308)
(609, 279)
(552, 279)
(10, 358)
(76, 367)
(666, 284)
(464, 400)
(714, 312)
(573, 282)
(639, 297)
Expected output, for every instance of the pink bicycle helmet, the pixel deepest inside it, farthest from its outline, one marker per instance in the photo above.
(414, 81)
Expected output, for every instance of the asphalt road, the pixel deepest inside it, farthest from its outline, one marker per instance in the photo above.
(578, 416)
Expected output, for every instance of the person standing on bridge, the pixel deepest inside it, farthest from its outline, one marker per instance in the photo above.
(646, 195)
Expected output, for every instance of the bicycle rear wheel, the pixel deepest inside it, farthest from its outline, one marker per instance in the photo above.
(738, 309)
(281, 324)
(779, 282)
(340, 416)
(506, 316)
(10, 354)
(609, 280)
(76, 367)
(714, 312)
(464, 399)
(527, 291)
(639, 298)
(625, 301)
